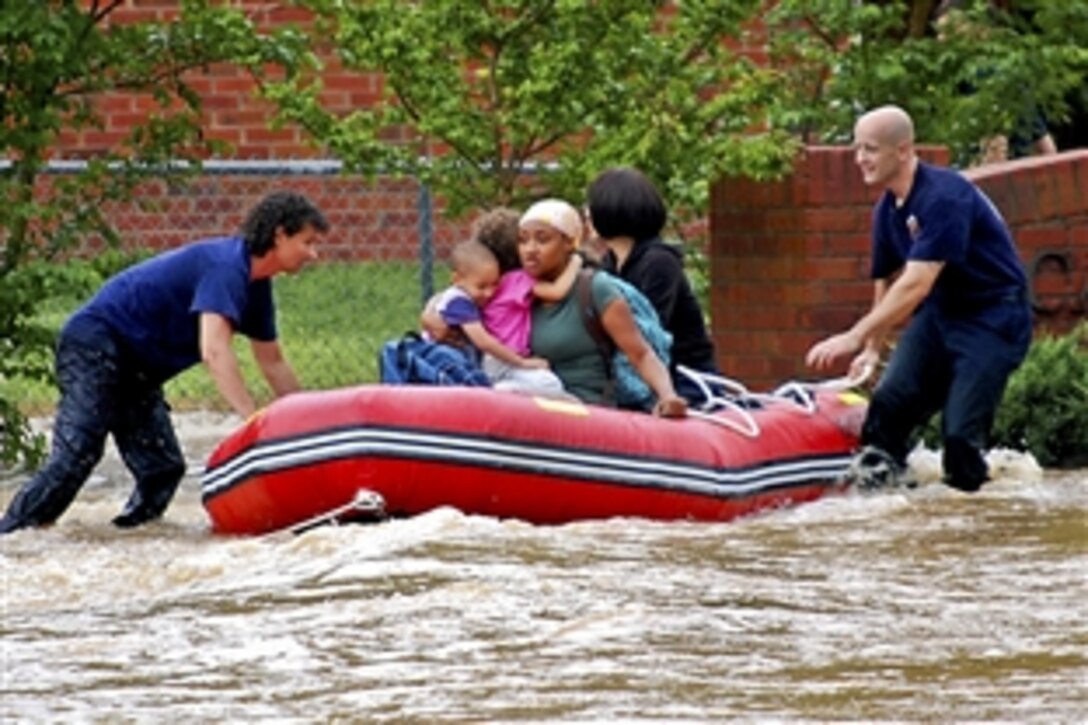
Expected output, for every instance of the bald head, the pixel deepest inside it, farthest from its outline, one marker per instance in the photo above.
(884, 148)
(889, 125)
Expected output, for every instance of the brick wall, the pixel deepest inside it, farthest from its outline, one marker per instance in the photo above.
(370, 221)
(1045, 201)
(790, 259)
(232, 112)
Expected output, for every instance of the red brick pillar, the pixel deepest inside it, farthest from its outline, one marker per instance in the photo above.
(1044, 199)
(789, 263)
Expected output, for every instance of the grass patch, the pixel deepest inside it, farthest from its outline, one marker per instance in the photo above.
(332, 317)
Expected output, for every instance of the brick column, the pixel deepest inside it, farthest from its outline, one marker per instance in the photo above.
(789, 263)
(1045, 201)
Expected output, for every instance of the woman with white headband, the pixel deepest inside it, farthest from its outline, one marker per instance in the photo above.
(550, 233)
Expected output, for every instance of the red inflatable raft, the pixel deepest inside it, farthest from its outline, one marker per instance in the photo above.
(404, 450)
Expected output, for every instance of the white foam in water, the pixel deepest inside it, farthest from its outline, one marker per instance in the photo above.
(1005, 465)
(1010, 465)
(925, 464)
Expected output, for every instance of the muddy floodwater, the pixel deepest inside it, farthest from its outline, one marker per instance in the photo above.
(919, 605)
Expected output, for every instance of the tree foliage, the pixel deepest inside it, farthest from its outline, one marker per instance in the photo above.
(490, 102)
(56, 59)
(990, 65)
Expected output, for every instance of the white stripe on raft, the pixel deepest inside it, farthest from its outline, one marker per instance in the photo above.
(307, 450)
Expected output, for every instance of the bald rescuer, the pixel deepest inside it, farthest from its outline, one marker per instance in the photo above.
(943, 257)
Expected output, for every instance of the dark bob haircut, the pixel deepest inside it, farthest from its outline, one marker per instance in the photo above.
(285, 209)
(624, 203)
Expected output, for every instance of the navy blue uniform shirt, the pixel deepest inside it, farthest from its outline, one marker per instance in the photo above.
(946, 218)
(154, 306)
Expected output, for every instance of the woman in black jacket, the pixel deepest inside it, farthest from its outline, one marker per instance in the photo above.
(627, 213)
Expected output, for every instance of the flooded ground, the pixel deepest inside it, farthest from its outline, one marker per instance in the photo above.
(920, 605)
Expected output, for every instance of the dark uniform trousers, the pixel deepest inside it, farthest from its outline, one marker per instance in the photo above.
(102, 394)
(955, 363)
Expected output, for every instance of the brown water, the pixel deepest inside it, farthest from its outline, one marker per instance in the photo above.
(923, 605)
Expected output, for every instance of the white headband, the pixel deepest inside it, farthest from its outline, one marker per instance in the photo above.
(558, 214)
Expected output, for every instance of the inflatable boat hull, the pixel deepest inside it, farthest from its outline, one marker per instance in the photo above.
(513, 456)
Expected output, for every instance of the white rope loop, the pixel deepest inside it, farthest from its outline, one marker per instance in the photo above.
(726, 394)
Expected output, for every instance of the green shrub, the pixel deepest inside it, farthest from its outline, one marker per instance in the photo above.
(1045, 408)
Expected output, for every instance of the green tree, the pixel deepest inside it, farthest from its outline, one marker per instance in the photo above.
(987, 68)
(491, 102)
(56, 59)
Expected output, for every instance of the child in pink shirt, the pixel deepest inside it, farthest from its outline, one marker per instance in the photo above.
(507, 314)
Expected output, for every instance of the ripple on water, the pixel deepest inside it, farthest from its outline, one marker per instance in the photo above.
(924, 604)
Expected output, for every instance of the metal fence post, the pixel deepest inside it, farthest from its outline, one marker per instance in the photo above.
(426, 244)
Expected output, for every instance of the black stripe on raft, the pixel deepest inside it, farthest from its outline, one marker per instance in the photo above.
(536, 459)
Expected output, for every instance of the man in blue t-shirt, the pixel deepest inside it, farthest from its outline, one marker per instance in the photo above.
(942, 252)
(144, 326)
